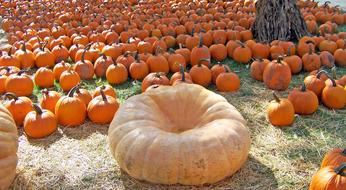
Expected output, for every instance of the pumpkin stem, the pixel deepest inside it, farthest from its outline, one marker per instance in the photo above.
(320, 73)
(22, 71)
(331, 59)
(344, 152)
(10, 52)
(226, 69)
(341, 169)
(333, 81)
(334, 73)
(72, 91)
(182, 72)
(303, 88)
(289, 50)
(193, 31)
(240, 43)
(37, 109)
(276, 98)
(83, 55)
(10, 95)
(44, 45)
(200, 43)
(104, 97)
(279, 59)
(158, 50)
(201, 60)
(181, 46)
(23, 47)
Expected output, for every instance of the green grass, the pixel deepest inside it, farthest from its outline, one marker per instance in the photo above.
(280, 158)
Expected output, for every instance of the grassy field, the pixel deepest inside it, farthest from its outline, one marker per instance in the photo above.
(79, 158)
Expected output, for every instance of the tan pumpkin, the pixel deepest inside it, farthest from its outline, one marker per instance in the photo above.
(9, 146)
(207, 136)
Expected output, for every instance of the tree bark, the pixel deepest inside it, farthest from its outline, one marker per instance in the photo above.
(278, 20)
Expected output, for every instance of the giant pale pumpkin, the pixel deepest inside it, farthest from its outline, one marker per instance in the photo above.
(8, 150)
(165, 136)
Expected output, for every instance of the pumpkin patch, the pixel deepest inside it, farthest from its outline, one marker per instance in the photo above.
(155, 83)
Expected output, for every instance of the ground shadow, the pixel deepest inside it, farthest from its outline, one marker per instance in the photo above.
(44, 142)
(85, 130)
(253, 175)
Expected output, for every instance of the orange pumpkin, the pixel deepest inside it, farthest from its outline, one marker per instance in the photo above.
(242, 54)
(19, 107)
(20, 84)
(277, 75)
(44, 77)
(49, 100)
(200, 52)
(154, 78)
(201, 74)
(305, 102)
(334, 157)
(227, 81)
(280, 112)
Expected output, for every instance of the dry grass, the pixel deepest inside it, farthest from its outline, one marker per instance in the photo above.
(79, 158)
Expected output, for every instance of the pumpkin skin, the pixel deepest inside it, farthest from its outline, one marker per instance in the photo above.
(329, 178)
(153, 135)
(200, 52)
(311, 61)
(102, 108)
(70, 111)
(69, 79)
(40, 123)
(49, 100)
(334, 158)
(280, 112)
(9, 146)
(44, 77)
(138, 69)
(107, 89)
(25, 57)
(257, 68)
(59, 68)
(117, 73)
(217, 69)
(327, 59)
(334, 96)
(201, 74)
(315, 83)
(20, 84)
(154, 78)
(305, 102)
(277, 75)
(227, 81)
(242, 54)
(18, 107)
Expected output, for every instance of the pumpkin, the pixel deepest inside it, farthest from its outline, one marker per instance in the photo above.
(44, 77)
(70, 111)
(311, 61)
(242, 54)
(227, 81)
(231, 46)
(9, 146)
(276, 50)
(61, 53)
(44, 58)
(315, 83)
(201, 74)
(18, 107)
(9, 60)
(180, 77)
(39, 123)
(305, 45)
(260, 50)
(69, 79)
(59, 68)
(82, 94)
(49, 100)
(257, 68)
(154, 78)
(2, 83)
(334, 96)
(216, 70)
(116, 73)
(218, 52)
(177, 132)
(305, 102)
(186, 53)
(327, 59)
(329, 178)
(84, 68)
(114, 50)
(19, 84)
(101, 109)
(200, 52)
(25, 57)
(74, 49)
(138, 69)
(157, 62)
(277, 75)
(175, 60)
(107, 89)
(294, 61)
(334, 157)
(328, 45)
(101, 64)
(280, 112)
(340, 56)
(126, 59)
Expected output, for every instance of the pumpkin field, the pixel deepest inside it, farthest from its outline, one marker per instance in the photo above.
(176, 94)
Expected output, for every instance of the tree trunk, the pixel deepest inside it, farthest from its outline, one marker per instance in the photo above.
(278, 20)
